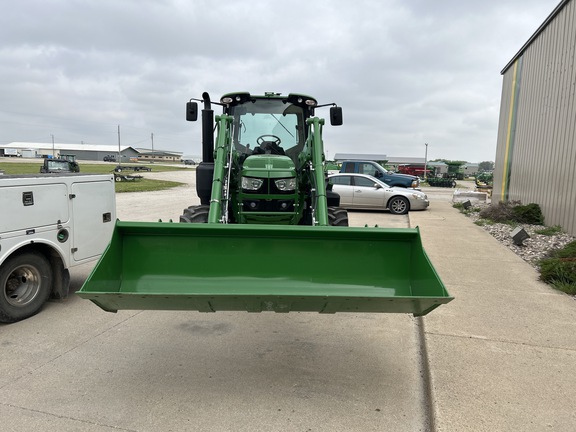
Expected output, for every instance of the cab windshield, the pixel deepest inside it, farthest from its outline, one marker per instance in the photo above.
(268, 120)
(58, 165)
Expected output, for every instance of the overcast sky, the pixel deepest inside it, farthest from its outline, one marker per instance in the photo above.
(406, 72)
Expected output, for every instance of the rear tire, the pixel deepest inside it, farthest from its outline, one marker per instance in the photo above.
(399, 205)
(25, 285)
(195, 214)
(337, 216)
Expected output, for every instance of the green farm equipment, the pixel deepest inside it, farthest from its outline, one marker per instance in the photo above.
(64, 163)
(268, 234)
(441, 182)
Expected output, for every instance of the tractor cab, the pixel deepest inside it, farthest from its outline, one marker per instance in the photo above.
(269, 125)
(64, 163)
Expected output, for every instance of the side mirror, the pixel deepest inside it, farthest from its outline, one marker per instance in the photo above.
(336, 116)
(377, 185)
(191, 111)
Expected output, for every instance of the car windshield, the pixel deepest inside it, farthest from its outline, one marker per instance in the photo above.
(271, 119)
(372, 169)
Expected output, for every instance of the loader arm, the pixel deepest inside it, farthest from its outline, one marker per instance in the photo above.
(223, 148)
(317, 155)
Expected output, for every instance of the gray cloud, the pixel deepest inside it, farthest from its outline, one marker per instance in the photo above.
(405, 72)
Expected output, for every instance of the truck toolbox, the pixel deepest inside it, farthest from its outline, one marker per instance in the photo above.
(49, 223)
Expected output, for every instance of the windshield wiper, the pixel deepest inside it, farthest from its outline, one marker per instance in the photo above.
(290, 133)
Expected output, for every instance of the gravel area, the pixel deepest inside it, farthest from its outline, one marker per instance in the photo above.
(534, 248)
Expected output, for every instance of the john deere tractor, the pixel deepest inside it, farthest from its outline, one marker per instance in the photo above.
(268, 235)
(268, 166)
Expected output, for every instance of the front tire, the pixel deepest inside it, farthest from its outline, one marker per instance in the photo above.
(399, 205)
(195, 214)
(337, 216)
(25, 284)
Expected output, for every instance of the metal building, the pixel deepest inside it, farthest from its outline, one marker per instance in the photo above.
(81, 151)
(536, 151)
(88, 152)
(390, 160)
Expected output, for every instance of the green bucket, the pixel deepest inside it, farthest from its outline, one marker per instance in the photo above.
(255, 268)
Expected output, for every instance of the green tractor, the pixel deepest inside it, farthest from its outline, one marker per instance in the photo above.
(64, 163)
(268, 167)
(268, 234)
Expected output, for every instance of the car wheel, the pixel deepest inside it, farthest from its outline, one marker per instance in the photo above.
(399, 205)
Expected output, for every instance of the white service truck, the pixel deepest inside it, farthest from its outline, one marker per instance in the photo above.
(49, 223)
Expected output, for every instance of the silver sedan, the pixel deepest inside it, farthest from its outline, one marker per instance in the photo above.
(361, 191)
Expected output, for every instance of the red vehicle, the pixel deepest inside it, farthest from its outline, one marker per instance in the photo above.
(414, 169)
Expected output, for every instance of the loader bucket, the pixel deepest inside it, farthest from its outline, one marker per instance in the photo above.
(255, 268)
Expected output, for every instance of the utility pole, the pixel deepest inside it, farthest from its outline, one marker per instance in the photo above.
(426, 163)
(53, 155)
(119, 155)
(152, 138)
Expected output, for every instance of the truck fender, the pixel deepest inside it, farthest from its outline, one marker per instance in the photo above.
(60, 277)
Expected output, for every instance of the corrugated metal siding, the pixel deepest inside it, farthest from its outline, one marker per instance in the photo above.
(502, 135)
(543, 163)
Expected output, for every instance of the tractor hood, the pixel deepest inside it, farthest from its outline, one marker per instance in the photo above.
(269, 166)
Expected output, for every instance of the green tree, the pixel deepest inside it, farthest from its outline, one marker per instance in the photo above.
(486, 166)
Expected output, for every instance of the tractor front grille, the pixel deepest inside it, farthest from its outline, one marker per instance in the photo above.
(264, 205)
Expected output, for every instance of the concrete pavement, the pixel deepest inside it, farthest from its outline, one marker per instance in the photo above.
(74, 367)
(502, 355)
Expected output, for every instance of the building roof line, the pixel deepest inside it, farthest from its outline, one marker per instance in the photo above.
(539, 30)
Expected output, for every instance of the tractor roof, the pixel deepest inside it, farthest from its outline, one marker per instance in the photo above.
(238, 98)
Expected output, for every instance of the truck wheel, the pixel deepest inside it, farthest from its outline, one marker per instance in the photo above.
(337, 216)
(25, 283)
(195, 214)
(399, 205)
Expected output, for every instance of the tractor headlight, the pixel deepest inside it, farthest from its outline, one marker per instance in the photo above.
(251, 183)
(288, 184)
